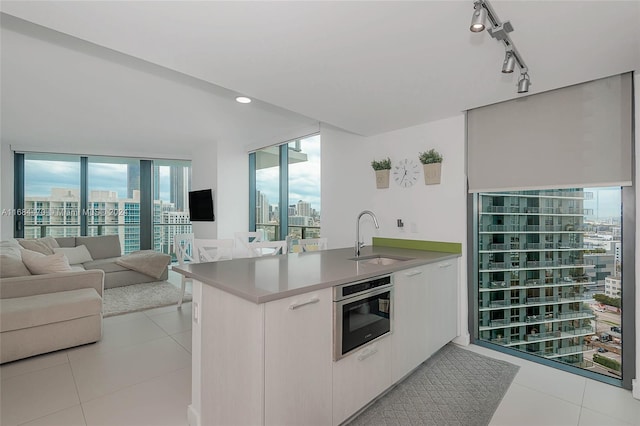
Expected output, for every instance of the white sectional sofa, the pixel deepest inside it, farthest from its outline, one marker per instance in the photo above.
(51, 290)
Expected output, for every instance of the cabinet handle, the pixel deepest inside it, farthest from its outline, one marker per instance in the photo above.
(412, 273)
(445, 265)
(314, 299)
(367, 353)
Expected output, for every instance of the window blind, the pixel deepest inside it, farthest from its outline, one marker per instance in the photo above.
(578, 136)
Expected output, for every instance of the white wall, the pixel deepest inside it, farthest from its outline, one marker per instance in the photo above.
(433, 212)
(233, 189)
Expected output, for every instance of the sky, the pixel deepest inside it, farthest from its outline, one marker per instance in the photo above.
(304, 177)
(606, 203)
(42, 175)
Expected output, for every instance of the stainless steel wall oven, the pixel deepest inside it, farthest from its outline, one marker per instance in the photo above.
(362, 313)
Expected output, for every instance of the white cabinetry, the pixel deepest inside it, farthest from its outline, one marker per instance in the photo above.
(267, 364)
(442, 320)
(298, 359)
(360, 377)
(425, 314)
(410, 320)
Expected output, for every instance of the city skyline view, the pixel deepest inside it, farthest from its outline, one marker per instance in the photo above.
(304, 177)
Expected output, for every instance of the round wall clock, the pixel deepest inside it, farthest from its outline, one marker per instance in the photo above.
(406, 173)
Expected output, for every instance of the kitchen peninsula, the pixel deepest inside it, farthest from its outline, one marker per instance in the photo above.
(263, 333)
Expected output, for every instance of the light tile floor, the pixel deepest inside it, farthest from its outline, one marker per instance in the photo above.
(140, 374)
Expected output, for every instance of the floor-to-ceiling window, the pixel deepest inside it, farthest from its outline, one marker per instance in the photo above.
(285, 189)
(114, 199)
(171, 186)
(550, 275)
(65, 195)
(51, 195)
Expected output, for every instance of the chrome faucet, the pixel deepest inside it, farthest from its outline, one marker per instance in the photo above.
(360, 244)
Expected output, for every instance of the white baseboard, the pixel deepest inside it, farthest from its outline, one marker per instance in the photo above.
(192, 417)
(464, 340)
(635, 388)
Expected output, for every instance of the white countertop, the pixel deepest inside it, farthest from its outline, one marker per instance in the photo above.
(264, 279)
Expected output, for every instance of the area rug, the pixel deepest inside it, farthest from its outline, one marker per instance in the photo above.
(453, 387)
(138, 297)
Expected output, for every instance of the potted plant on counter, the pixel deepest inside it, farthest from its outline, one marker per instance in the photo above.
(432, 163)
(382, 168)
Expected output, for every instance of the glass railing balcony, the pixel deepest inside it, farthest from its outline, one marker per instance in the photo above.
(539, 318)
(541, 336)
(272, 231)
(578, 330)
(499, 323)
(544, 299)
(533, 264)
(577, 314)
(532, 228)
(499, 303)
(534, 210)
(573, 350)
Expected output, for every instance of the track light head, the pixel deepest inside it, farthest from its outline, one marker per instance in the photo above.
(509, 63)
(479, 17)
(523, 83)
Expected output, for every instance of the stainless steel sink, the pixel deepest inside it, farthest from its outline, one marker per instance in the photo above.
(378, 259)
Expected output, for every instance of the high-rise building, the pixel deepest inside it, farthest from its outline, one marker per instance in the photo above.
(262, 208)
(303, 208)
(532, 274)
(179, 184)
(133, 179)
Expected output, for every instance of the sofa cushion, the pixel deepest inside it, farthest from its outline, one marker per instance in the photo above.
(107, 265)
(66, 241)
(32, 311)
(101, 247)
(76, 255)
(38, 263)
(41, 245)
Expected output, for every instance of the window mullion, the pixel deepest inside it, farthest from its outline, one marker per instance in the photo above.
(284, 191)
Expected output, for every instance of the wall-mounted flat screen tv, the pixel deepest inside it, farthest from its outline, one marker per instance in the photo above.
(201, 206)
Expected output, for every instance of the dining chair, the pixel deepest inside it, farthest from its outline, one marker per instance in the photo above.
(267, 248)
(243, 239)
(208, 250)
(309, 244)
(184, 250)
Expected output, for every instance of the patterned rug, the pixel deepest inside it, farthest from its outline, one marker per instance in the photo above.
(138, 297)
(453, 387)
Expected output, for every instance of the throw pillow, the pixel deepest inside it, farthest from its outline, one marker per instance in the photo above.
(39, 263)
(41, 245)
(75, 255)
(12, 266)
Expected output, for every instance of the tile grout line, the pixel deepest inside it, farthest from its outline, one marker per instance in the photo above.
(75, 383)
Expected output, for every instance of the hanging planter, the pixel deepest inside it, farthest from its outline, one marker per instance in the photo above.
(382, 169)
(432, 164)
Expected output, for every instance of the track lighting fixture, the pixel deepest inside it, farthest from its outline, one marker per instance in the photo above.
(479, 18)
(483, 11)
(523, 83)
(509, 62)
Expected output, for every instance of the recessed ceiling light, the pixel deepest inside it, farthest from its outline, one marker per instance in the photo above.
(243, 99)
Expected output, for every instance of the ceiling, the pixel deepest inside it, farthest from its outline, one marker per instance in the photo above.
(365, 67)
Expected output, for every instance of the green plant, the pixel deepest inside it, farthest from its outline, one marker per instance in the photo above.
(607, 362)
(384, 164)
(431, 156)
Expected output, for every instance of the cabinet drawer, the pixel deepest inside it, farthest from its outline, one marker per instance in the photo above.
(360, 377)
